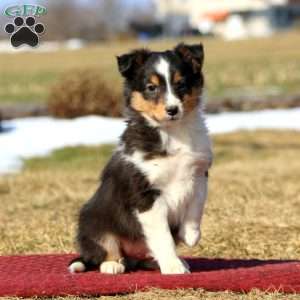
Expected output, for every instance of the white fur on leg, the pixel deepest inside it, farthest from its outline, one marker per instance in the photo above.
(77, 267)
(112, 267)
(159, 239)
(189, 231)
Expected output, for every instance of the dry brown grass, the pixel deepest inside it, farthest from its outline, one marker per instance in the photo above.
(253, 208)
(190, 294)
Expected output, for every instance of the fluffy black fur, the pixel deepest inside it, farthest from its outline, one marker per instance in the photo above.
(123, 190)
(139, 135)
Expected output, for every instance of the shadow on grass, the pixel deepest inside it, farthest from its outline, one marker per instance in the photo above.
(206, 264)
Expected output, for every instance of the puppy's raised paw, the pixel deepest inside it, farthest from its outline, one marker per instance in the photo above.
(190, 236)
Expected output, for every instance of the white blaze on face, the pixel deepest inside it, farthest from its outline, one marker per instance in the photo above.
(163, 68)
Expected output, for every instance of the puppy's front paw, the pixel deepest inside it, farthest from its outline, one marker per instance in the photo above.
(112, 267)
(175, 266)
(190, 236)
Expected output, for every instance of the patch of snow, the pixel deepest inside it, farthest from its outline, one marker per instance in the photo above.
(39, 136)
(264, 119)
(31, 137)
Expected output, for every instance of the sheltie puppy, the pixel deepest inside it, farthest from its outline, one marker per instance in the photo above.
(154, 187)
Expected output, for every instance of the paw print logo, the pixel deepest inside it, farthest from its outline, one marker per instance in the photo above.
(24, 32)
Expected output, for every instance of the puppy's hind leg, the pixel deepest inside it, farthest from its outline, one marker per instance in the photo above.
(104, 254)
(91, 255)
(113, 262)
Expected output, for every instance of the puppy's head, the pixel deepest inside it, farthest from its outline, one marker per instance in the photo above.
(163, 86)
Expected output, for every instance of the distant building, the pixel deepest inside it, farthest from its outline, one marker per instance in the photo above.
(227, 18)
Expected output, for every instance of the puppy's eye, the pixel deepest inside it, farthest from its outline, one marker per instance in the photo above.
(151, 88)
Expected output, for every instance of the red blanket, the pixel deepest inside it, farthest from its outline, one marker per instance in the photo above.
(47, 275)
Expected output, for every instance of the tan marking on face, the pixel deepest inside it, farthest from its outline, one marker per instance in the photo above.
(154, 79)
(191, 101)
(177, 77)
(156, 111)
(111, 244)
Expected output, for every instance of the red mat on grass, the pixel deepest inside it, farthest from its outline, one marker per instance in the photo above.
(47, 275)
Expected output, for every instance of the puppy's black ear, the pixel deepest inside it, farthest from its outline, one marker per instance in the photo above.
(129, 63)
(192, 54)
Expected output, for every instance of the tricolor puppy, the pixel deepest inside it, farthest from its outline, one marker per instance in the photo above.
(154, 187)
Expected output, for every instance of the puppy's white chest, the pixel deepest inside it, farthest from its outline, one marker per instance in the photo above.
(175, 169)
(175, 176)
(179, 166)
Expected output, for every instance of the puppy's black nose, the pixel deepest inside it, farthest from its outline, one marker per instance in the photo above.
(172, 110)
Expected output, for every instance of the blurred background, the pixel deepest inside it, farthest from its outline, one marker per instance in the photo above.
(252, 52)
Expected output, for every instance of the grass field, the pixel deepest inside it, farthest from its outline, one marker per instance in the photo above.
(241, 67)
(252, 212)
